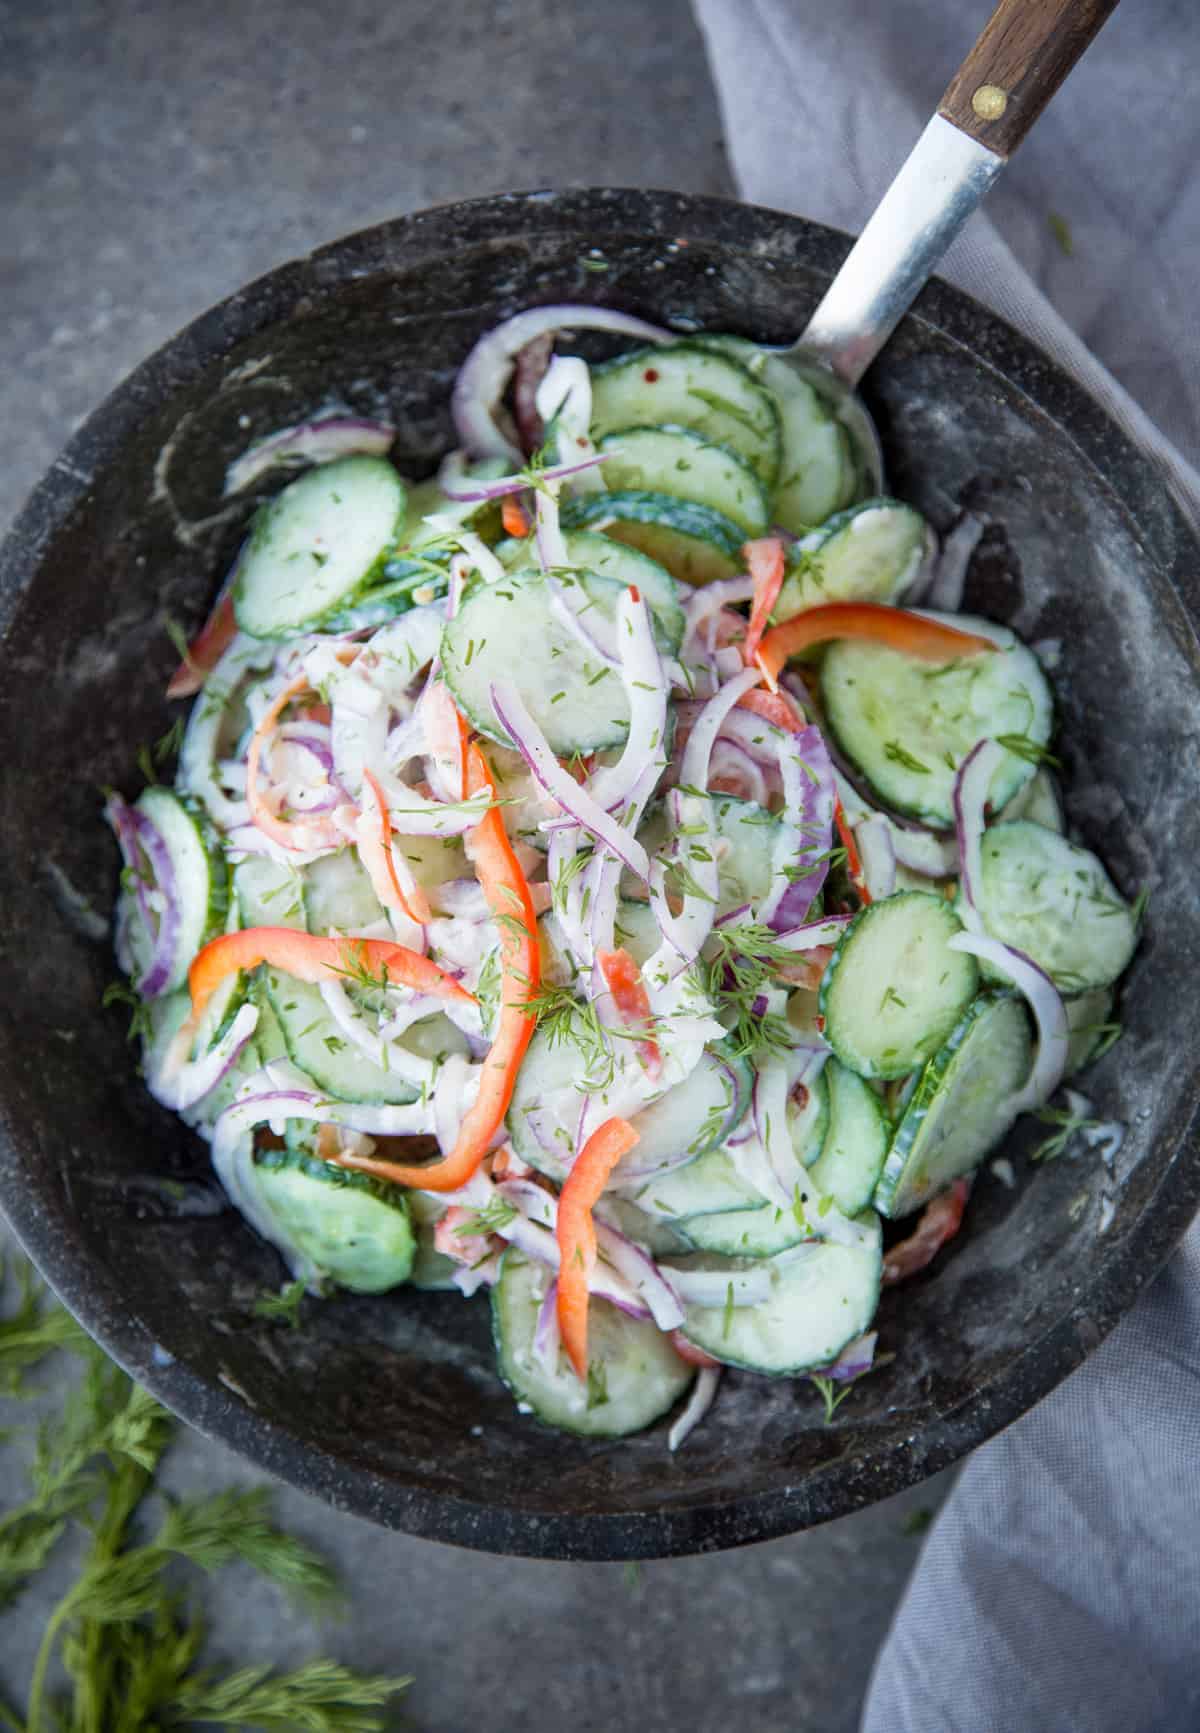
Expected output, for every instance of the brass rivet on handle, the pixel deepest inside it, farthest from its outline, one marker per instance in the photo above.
(989, 101)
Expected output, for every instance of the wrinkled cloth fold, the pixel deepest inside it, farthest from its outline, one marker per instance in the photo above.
(1059, 1591)
(822, 103)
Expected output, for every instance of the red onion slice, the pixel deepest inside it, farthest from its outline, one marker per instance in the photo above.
(531, 743)
(547, 1339)
(855, 1359)
(813, 934)
(971, 787)
(531, 364)
(642, 1274)
(949, 568)
(878, 855)
(697, 1406)
(182, 1082)
(456, 484)
(1049, 1014)
(806, 830)
(722, 1287)
(318, 440)
(485, 373)
(142, 845)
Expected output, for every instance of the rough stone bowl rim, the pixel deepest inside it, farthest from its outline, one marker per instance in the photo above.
(346, 1484)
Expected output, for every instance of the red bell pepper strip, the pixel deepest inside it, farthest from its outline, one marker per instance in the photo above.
(773, 707)
(896, 627)
(576, 1232)
(764, 558)
(375, 852)
(205, 649)
(310, 957)
(507, 892)
(940, 1221)
(624, 981)
(853, 859)
(514, 518)
(311, 833)
(688, 1351)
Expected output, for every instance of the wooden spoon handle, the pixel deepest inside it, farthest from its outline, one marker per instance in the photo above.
(1026, 50)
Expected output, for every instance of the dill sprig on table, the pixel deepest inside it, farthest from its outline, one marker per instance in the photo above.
(122, 1633)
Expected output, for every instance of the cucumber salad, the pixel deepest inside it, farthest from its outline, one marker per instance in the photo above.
(610, 876)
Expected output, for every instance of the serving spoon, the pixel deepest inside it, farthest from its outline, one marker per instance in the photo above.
(1026, 50)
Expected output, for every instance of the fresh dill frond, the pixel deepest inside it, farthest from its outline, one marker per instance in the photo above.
(128, 1655)
(832, 1393)
(1068, 1124)
(283, 1307)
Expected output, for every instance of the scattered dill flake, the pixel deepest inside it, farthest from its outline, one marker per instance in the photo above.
(631, 1571)
(1021, 746)
(1061, 230)
(588, 264)
(891, 997)
(597, 1385)
(917, 1521)
(489, 1220)
(727, 1318)
(895, 753)
(121, 993)
(1068, 1124)
(283, 1307)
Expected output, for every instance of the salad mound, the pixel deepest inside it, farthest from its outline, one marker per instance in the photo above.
(590, 878)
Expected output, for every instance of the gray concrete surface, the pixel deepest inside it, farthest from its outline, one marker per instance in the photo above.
(154, 155)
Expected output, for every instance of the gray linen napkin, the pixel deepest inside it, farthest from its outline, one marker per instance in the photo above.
(1060, 1589)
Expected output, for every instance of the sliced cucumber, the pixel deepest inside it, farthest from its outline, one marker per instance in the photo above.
(871, 553)
(338, 894)
(269, 893)
(317, 545)
(592, 552)
(908, 725)
(660, 1238)
(745, 1233)
(686, 385)
(436, 861)
(634, 1374)
(712, 1184)
(894, 989)
(1039, 801)
(432, 1270)
(335, 1064)
(821, 1299)
(745, 846)
(356, 1230)
(543, 1115)
(856, 1144)
(1089, 1019)
(682, 463)
(960, 1108)
(1053, 900)
(637, 930)
(199, 887)
(817, 471)
(507, 631)
(693, 542)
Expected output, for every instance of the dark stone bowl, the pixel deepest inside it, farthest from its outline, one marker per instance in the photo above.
(391, 1407)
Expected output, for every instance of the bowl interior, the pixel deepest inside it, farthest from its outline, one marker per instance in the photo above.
(392, 1406)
